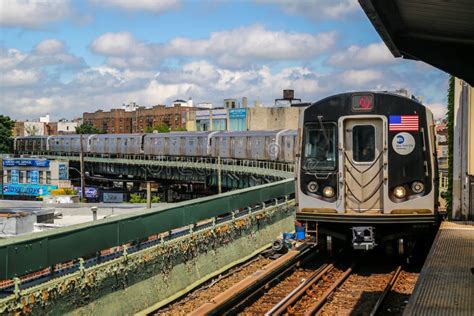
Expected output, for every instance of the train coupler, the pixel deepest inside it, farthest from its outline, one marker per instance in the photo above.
(363, 238)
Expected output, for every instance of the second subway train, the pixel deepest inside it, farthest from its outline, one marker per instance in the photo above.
(280, 145)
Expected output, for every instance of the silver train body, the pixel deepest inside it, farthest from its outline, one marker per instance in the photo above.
(367, 171)
(279, 145)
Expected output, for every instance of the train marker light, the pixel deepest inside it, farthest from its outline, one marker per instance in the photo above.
(399, 192)
(417, 187)
(313, 187)
(328, 192)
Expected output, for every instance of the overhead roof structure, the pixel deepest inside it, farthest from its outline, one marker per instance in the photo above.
(438, 32)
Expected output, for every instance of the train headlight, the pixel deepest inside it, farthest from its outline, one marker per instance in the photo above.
(312, 187)
(328, 192)
(399, 192)
(417, 187)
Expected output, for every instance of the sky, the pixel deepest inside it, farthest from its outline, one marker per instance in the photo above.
(64, 58)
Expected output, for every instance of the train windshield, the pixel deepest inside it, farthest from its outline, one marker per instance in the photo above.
(319, 147)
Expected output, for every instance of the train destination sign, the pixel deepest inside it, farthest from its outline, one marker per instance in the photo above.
(362, 102)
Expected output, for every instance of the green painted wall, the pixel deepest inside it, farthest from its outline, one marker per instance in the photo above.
(133, 283)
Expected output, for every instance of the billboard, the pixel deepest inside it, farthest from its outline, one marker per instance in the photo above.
(26, 163)
(238, 113)
(34, 175)
(15, 176)
(63, 172)
(28, 189)
(91, 192)
(109, 197)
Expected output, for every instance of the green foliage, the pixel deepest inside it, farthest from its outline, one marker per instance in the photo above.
(136, 198)
(161, 128)
(87, 128)
(69, 191)
(450, 125)
(6, 130)
(179, 129)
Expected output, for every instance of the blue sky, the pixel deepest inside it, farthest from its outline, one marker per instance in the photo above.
(68, 57)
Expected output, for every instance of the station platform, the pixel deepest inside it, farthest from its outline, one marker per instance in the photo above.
(446, 282)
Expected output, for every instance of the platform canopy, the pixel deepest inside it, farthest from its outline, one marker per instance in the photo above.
(438, 32)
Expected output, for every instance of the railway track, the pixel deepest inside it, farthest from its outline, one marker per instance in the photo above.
(303, 282)
(314, 295)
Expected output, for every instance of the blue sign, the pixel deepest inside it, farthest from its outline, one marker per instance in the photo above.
(15, 176)
(238, 113)
(63, 172)
(90, 192)
(28, 189)
(25, 163)
(34, 175)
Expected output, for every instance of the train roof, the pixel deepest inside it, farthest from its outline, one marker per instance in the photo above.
(180, 134)
(247, 133)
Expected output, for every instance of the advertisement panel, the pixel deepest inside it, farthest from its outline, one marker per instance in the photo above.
(15, 176)
(28, 189)
(109, 197)
(63, 172)
(238, 113)
(26, 163)
(34, 175)
(91, 192)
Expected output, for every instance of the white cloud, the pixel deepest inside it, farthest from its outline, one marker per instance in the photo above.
(33, 13)
(317, 9)
(255, 43)
(233, 48)
(17, 77)
(357, 78)
(360, 57)
(50, 46)
(155, 6)
(115, 44)
(10, 58)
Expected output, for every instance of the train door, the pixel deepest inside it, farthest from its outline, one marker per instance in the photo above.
(363, 164)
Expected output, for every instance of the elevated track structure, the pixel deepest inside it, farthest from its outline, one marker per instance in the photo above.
(69, 269)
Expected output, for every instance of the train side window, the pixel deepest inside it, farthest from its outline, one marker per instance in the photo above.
(363, 143)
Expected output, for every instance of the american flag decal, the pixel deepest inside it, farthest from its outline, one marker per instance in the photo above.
(403, 123)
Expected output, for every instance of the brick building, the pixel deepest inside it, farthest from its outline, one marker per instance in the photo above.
(120, 121)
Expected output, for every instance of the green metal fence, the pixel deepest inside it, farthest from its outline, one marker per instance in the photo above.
(25, 254)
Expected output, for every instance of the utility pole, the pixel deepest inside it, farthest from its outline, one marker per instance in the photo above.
(81, 162)
(219, 175)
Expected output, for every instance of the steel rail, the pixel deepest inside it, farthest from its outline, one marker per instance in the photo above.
(313, 309)
(387, 289)
(281, 307)
(236, 297)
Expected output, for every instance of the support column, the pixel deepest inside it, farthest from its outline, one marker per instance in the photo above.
(148, 195)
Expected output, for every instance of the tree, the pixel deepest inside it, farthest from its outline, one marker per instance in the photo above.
(450, 120)
(87, 128)
(160, 128)
(6, 130)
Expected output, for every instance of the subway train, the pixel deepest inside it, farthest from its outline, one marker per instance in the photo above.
(278, 146)
(367, 171)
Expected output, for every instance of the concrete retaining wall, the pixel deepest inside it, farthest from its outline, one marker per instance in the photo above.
(134, 282)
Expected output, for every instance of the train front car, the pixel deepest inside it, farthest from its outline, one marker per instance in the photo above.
(367, 171)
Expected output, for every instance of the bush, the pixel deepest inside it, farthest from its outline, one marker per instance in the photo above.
(136, 198)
